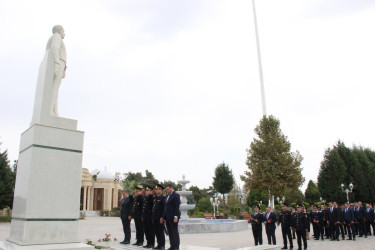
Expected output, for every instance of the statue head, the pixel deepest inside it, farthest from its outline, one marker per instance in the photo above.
(58, 29)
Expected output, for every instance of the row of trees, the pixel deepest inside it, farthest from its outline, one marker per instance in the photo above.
(343, 165)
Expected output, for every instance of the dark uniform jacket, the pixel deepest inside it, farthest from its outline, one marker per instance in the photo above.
(147, 203)
(316, 217)
(137, 207)
(285, 218)
(325, 214)
(300, 221)
(158, 207)
(256, 219)
(126, 207)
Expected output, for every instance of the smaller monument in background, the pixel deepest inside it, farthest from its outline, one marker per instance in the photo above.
(184, 207)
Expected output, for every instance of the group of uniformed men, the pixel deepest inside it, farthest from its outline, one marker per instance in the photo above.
(328, 222)
(154, 214)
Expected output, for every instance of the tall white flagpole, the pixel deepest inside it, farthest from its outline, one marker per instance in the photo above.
(259, 63)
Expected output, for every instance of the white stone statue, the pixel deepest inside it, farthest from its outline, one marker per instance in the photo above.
(56, 45)
(51, 71)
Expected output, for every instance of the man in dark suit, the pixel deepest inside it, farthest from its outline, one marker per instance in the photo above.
(256, 225)
(369, 218)
(348, 215)
(157, 216)
(172, 216)
(359, 213)
(126, 206)
(269, 222)
(333, 222)
(285, 218)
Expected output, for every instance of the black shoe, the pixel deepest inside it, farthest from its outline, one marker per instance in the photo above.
(338, 239)
(140, 244)
(284, 248)
(353, 239)
(157, 247)
(135, 244)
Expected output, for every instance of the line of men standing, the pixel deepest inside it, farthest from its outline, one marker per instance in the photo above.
(153, 214)
(328, 223)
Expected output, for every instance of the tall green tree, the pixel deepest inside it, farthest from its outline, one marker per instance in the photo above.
(223, 181)
(332, 174)
(7, 182)
(272, 165)
(294, 196)
(312, 193)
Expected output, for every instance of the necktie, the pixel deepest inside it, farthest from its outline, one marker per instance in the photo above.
(168, 197)
(268, 214)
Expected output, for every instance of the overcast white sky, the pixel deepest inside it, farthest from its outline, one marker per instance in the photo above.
(173, 86)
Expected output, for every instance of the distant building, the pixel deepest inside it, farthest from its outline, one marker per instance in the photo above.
(104, 193)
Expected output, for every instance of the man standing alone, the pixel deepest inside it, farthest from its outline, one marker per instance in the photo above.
(171, 215)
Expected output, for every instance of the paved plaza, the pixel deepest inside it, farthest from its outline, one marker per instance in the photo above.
(94, 228)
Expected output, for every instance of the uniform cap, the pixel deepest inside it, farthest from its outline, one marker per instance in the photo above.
(284, 204)
(148, 188)
(159, 186)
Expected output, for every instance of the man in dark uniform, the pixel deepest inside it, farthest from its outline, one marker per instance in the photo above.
(157, 216)
(348, 215)
(256, 220)
(172, 216)
(148, 201)
(126, 206)
(136, 214)
(316, 219)
(333, 222)
(325, 218)
(269, 222)
(300, 225)
(285, 218)
(293, 211)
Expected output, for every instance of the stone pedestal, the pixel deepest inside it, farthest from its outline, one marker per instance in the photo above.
(47, 194)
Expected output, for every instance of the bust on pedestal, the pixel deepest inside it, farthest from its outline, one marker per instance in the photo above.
(47, 193)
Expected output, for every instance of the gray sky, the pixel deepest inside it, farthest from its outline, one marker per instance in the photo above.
(173, 86)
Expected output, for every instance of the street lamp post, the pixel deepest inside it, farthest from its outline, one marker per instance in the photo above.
(347, 191)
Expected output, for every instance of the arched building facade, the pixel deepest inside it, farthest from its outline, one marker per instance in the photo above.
(104, 193)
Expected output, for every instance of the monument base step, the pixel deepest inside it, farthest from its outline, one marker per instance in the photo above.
(6, 245)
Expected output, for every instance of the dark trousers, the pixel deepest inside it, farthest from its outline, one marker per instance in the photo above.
(159, 232)
(368, 227)
(286, 232)
(139, 230)
(257, 233)
(174, 236)
(126, 228)
(350, 229)
(341, 227)
(270, 231)
(148, 230)
(335, 231)
(301, 234)
(361, 228)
